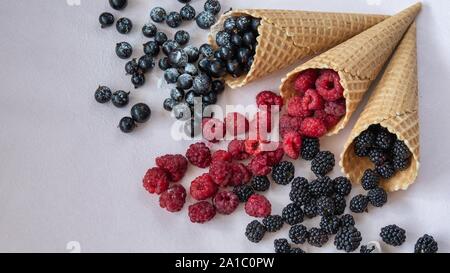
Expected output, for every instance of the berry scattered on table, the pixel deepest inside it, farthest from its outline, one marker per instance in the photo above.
(348, 239)
(118, 4)
(393, 235)
(292, 214)
(199, 155)
(175, 166)
(426, 244)
(377, 197)
(127, 124)
(323, 163)
(281, 246)
(255, 231)
(283, 173)
(203, 187)
(158, 14)
(205, 19)
(370, 180)
(149, 30)
(260, 183)
(226, 202)
(156, 180)
(120, 98)
(140, 112)
(106, 19)
(124, 25)
(258, 206)
(173, 199)
(212, 6)
(201, 212)
(298, 234)
(187, 12)
(124, 50)
(103, 94)
(273, 223)
(317, 237)
(359, 203)
(342, 186)
(330, 224)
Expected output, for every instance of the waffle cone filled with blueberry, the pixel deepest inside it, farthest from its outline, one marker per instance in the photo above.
(386, 135)
(342, 75)
(283, 37)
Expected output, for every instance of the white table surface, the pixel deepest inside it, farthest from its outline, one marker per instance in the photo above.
(68, 174)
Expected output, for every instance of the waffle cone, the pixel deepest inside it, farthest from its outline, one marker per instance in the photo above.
(358, 60)
(393, 105)
(287, 36)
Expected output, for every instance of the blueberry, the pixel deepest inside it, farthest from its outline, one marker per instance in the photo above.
(209, 99)
(171, 75)
(249, 39)
(169, 46)
(191, 98)
(131, 67)
(178, 58)
(223, 38)
(202, 84)
(182, 111)
(127, 125)
(206, 50)
(191, 69)
(182, 37)
(164, 63)
(205, 20)
(124, 25)
(243, 55)
(184, 1)
(187, 13)
(169, 104)
(160, 37)
(138, 79)
(243, 23)
(217, 86)
(120, 98)
(151, 48)
(118, 4)
(106, 19)
(177, 94)
(212, 6)
(103, 94)
(141, 112)
(185, 81)
(230, 24)
(146, 63)
(203, 65)
(216, 69)
(234, 68)
(124, 50)
(174, 19)
(256, 22)
(192, 52)
(149, 30)
(236, 40)
(158, 14)
(225, 53)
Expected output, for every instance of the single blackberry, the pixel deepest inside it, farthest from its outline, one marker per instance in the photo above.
(310, 209)
(296, 250)
(348, 239)
(273, 223)
(400, 150)
(426, 244)
(310, 148)
(260, 183)
(385, 139)
(323, 163)
(300, 196)
(386, 170)
(366, 249)
(281, 246)
(255, 231)
(393, 235)
(347, 220)
(243, 192)
(300, 183)
(377, 197)
(317, 237)
(365, 140)
(339, 204)
(359, 203)
(377, 156)
(361, 151)
(322, 186)
(330, 224)
(298, 234)
(370, 179)
(342, 186)
(292, 214)
(283, 172)
(325, 206)
(401, 164)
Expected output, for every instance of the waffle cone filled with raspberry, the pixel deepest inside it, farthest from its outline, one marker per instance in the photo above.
(357, 61)
(287, 36)
(393, 105)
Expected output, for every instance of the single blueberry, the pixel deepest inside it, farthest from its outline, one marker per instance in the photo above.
(187, 12)
(185, 81)
(205, 20)
(149, 30)
(146, 63)
(177, 94)
(169, 46)
(124, 25)
(151, 48)
(192, 52)
(124, 50)
(106, 19)
(212, 6)
(174, 19)
(160, 37)
(182, 37)
(206, 50)
(158, 14)
(171, 75)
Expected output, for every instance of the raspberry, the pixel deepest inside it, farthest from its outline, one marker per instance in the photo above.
(335, 108)
(243, 192)
(236, 124)
(174, 165)
(221, 172)
(329, 120)
(328, 85)
(173, 199)
(213, 129)
(226, 202)
(221, 155)
(261, 125)
(275, 157)
(292, 143)
(288, 123)
(237, 149)
(310, 148)
(201, 212)
(313, 127)
(297, 108)
(199, 155)
(156, 180)
(260, 165)
(252, 147)
(258, 206)
(269, 98)
(312, 100)
(260, 183)
(240, 174)
(203, 187)
(306, 80)
(255, 231)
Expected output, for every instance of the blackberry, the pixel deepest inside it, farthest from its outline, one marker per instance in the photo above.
(365, 140)
(310, 148)
(370, 180)
(426, 244)
(361, 151)
(400, 150)
(260, 183)
(359, 203)
(310, 209)
(298, 234)
(393, 235)
(386, 170)
(366, 249)
(330, 224)
(378, 157)
(323, 163)
(401, 164)
(377, 197)
(273, 223)
(283, 172)
(322, 186)
(255, 231)
(325, 206)
(292, 214)
(300, 196)
(348, 239)
(281, 246)
(243, 192)
(347, 220)
(300, 183)
(384, 139)
(317, 237)
(339, 204)
(103, 94)
(342, 186)
(296, 250)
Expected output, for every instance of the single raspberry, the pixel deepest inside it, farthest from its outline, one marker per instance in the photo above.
(306, 80)
(173, 199)
(292, 143)
(201, 212)
(260, 165)
(269, 98)
(236, 124)
(199, 155)
(213, 129)
(328, 85)
(252, 147)
(312, 100)
(297, 108)
(174, 165)
(156, 180)
(203, 187)
(226, 202)
(275, 157)
(329, 120)
(261, 125)
(258, 206)
(221, 155)
(335, 108)
(237, 149)
(240, 174)
(221, 173)
(313, 127)
(288, 123)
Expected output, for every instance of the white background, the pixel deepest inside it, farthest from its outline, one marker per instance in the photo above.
(68, 174)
